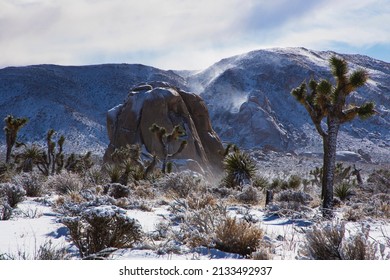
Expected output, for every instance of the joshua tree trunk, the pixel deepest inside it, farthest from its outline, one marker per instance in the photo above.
(329, 145)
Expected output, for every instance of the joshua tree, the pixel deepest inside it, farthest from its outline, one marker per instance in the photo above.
(324, 101)
(166, 140)
(11, 129)
(51, 161)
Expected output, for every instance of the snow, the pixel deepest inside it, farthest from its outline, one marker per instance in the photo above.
(36, 224)
(27, 234)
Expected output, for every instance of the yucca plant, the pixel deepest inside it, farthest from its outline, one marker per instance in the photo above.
(343, 190)
(240, 169)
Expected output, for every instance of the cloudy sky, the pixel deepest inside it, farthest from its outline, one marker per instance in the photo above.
(185, 34)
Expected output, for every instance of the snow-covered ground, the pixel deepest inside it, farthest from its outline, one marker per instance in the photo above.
(35, 223)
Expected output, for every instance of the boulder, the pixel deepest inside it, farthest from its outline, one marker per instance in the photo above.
(166, 106)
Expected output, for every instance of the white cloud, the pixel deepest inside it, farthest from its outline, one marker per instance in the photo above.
(179, 33)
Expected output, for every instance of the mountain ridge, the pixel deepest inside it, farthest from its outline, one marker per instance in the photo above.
(251, 88)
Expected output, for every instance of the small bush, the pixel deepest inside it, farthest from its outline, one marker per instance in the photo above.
(65, 182)
(13, 194)
(293, 182)
(182, 184)
(238, 237)
(5, 210)
(380, 181)
(249, 195)
(31, 182)
(116, 190)
(260, 182)
(330, 243)
(102, 227)
(290, 203)
(197, 225)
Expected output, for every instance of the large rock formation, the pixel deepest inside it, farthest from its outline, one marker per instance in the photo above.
(167, 106)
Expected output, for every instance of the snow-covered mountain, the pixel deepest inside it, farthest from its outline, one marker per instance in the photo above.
(248, 98)
(71, 100)
(251, 105)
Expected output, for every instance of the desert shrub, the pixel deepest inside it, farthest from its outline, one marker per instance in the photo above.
(380, 181)
(260, 182)
(238, 237)
(343, 190)
(294, 196)
(249, 195)
(378, 206)
(7, 172)
(116, 190)
(32, 183)
(330, 243)
(143, 189)
(95, 176)
(290, 203)
(353, 214)
(197, 225)
(262, 253)
(182, 184)
(240, 169)
(102, 227)
(200, 201)
(5, 210)
(65, 182)
(13, 194)
(292, 183)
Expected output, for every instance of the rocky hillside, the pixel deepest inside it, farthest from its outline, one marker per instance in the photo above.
(250, 102)
(72, 100)
(248, 97)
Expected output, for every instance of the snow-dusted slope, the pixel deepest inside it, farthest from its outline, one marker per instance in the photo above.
(248, 97)
(250, 102)
(71, 100)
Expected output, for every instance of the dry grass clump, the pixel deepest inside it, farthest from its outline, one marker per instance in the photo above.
(329, 242)
(46, 251)
(102, 227)
(65, 182)
(239, 237)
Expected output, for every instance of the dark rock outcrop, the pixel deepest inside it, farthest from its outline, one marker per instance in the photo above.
(167, 106)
